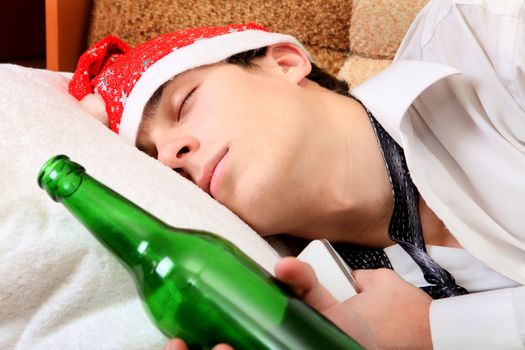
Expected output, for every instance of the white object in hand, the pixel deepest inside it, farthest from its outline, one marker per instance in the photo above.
(331, 270)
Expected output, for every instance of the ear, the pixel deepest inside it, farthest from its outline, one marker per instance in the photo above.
(291, 60)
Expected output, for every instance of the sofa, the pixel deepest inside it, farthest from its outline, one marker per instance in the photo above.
(59, 288)
(352, 39)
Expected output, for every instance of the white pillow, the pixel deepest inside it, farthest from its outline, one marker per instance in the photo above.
(59, 288)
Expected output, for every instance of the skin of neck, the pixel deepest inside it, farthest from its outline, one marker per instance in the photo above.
(353, 199)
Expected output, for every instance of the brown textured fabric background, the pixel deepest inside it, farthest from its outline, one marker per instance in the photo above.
(376, 30)
(357, 69)
(321, 25)
(355, 38)
(378, 26)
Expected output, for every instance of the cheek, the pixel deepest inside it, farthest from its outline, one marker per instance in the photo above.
(217, 113)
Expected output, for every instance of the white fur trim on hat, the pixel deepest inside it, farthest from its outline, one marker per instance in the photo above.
(200, 53)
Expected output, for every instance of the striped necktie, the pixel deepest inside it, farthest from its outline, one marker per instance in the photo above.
(405, 226)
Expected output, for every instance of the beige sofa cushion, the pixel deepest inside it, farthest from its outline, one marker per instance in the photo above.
(357, 69)
(376, 30)
(365, 33)
(321, 25)
(378, 26)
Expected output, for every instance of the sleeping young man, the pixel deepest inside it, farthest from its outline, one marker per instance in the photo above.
(419, 171)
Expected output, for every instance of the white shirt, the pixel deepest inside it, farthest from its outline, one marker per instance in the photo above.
(452, 319)
(454, 98)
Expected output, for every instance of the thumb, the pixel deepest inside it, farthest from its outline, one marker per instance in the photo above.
(301, 278)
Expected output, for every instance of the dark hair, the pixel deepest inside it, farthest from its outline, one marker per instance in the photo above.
(317, 74)
(245, 60)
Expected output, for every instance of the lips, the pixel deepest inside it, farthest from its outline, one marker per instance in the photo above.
(217, 175)
(212, 173)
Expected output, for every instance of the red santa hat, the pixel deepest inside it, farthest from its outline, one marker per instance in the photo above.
(127, 77)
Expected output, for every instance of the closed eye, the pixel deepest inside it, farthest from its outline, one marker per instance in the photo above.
(184, 104)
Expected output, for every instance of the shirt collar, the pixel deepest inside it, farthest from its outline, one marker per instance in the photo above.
(389, 94)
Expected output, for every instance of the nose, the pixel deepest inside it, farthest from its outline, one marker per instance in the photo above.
(179, 154)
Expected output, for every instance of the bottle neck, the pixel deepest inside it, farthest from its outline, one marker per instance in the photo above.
(121, 226)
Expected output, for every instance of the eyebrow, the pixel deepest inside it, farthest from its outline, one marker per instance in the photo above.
(148, 113)
(142, 132)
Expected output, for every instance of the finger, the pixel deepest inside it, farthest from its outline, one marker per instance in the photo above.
(176, 344)
(301, 278)
(370, 278)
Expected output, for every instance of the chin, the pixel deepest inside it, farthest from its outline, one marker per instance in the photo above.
(262, 226)
(255, 208)
(263, 233)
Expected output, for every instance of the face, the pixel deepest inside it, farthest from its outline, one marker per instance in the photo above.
(239, 134)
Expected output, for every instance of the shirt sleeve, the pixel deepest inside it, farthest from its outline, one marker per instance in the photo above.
(496, 26)
(517, 76)
(486, 320)
(499, 28)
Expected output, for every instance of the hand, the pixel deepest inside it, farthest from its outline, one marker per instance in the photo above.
(301, 278)
(178, 344)
(396, 311)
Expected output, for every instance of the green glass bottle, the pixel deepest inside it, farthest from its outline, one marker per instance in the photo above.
(195, 285)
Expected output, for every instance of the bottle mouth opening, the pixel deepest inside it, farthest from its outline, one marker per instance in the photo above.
(47, 168)
(59, 176)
